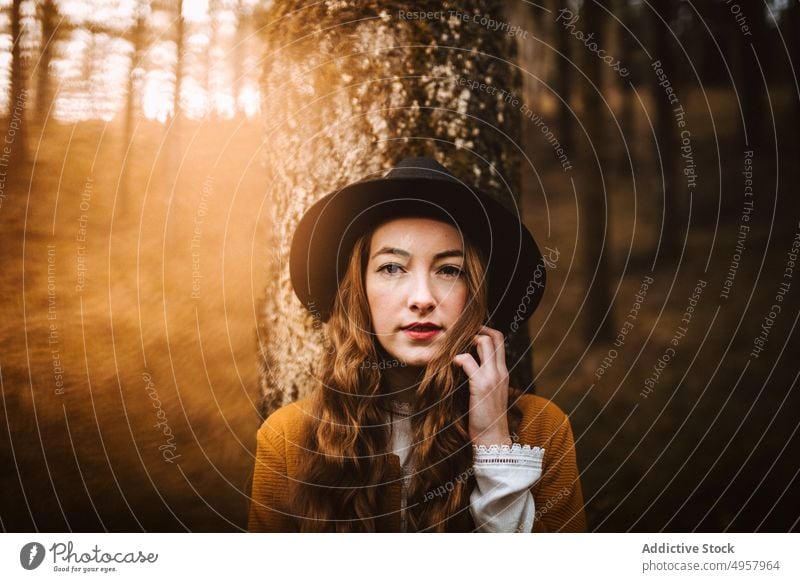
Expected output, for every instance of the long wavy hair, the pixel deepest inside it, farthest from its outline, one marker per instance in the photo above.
(343, 466)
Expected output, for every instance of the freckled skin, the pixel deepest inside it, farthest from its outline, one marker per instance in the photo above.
(418, 287)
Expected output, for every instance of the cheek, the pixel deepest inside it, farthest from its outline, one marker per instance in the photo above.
(378, 304)
(456, 299)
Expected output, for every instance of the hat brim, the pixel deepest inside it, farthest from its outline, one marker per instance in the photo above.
(324, 238)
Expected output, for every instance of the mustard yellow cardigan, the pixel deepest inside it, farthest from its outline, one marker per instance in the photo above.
(557, 493)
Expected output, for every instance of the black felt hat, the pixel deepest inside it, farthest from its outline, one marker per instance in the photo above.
(325, 235)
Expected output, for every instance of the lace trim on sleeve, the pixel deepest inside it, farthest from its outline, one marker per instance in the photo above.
(515, 454)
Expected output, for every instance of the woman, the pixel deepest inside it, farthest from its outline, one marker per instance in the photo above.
(413, 426)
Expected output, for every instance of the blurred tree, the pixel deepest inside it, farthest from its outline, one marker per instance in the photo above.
(530, 58)
(793, 19)
(244, 23)
(245, 28)
(756, 58)
(173, 127)
(532, 63)
(595, 214)
(625, 46)
(563, 78)
(348, 89)
(664, 128)
(179, 55)
(137, 37)
(17, 126)
(47, 12)
(213, 40)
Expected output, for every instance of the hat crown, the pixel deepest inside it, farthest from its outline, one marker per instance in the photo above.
(420, 167)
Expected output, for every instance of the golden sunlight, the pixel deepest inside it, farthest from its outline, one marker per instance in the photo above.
(101, 51)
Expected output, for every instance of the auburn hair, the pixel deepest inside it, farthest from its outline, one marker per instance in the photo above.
(343, 466)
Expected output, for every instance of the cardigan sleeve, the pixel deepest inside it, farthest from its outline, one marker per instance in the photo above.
(558, 494)
(270, 483)
(501, 500)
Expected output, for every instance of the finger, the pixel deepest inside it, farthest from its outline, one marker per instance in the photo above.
(467, 363)
(486, 351)
(499, 347)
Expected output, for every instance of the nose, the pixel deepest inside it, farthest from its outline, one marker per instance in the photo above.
(421, 298)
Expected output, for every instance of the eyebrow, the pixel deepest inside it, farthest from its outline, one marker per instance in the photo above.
(406, 254)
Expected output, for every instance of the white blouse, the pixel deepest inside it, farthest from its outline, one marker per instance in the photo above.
(501, 500)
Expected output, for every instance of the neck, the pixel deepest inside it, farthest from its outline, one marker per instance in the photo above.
(401, 383)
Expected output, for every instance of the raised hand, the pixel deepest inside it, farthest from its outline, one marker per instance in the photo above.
(488, 389)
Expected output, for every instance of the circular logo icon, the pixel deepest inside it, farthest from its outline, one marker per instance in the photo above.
(31, 555)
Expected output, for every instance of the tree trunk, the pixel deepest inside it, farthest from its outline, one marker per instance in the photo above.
(665, 132)
(175, 127)
(210, 70)
(594, 191)
(244, 28)
(626, 48)
(16, 130)
(563, 79)
(349, 89)
(530, 60)
(138, 42)
(755, 63)
(794, 27)
(48, 15)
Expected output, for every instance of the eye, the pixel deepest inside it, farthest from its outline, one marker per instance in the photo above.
(451, 271)
(387, 268)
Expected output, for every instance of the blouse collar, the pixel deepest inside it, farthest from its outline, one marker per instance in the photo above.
(397, 407)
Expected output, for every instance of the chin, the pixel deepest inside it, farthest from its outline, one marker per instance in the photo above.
(415, 362)
(416, 358)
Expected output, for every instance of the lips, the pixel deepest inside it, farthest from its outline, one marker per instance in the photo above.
(422, 327)
(421, 331)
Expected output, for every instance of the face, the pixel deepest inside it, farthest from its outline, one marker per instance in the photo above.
(415, 274)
